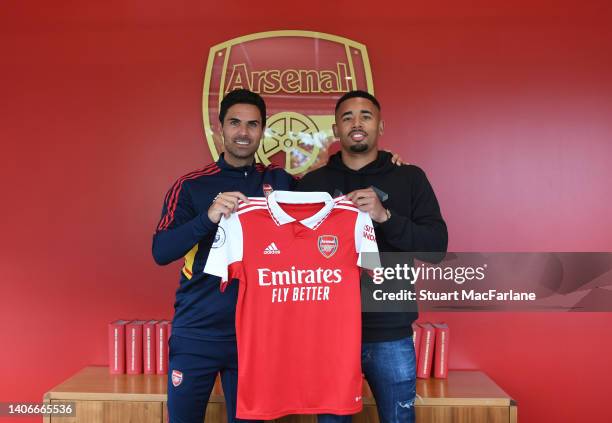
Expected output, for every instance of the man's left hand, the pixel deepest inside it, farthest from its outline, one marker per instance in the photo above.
(395, 158)
(366, 200)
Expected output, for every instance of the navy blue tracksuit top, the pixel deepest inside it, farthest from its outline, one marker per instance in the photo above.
(201, 311)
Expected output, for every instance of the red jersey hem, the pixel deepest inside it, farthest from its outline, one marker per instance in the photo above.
(279, 414)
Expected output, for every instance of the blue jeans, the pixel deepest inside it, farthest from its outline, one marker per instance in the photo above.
(390, 369)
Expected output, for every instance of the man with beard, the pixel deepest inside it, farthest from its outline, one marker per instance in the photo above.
(408, 221)
(203, 341)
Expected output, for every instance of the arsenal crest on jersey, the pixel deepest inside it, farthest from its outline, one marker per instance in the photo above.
(328, 245)
(267, 189)
(177, 378)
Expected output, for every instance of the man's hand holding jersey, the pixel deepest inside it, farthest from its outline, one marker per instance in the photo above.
(367, 200)
(224, 204)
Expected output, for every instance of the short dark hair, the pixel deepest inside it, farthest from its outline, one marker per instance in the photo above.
(354, 94)
(242, 96)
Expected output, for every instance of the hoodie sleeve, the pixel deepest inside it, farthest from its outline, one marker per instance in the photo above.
(424, 230)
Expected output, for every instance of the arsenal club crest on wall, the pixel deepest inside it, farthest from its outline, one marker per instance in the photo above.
(328, 245)
(300, 75)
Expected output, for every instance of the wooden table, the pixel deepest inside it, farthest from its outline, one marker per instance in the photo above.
(466, 396)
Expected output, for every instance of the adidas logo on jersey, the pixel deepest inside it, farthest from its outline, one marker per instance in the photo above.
(272, 249)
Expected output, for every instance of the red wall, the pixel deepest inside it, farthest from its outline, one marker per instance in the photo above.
(508, 107)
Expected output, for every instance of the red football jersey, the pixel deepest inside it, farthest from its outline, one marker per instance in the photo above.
(298, 317)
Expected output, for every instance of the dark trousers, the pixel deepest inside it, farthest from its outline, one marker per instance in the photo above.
(192, 371)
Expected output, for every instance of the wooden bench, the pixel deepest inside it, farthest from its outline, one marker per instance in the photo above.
(466, 396)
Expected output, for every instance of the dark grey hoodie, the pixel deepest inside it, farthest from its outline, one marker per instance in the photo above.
(416, 224)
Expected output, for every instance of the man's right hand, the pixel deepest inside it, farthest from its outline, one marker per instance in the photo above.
(224, 204)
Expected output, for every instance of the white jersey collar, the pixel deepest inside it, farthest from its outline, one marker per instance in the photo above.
(280, 217)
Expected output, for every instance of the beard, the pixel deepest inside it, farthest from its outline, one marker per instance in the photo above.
(241, 153)
(359, 148)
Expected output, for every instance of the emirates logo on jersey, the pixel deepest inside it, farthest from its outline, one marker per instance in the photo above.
(328, 245)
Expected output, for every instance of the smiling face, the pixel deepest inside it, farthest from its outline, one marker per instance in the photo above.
(358, 125)
(242, 131)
